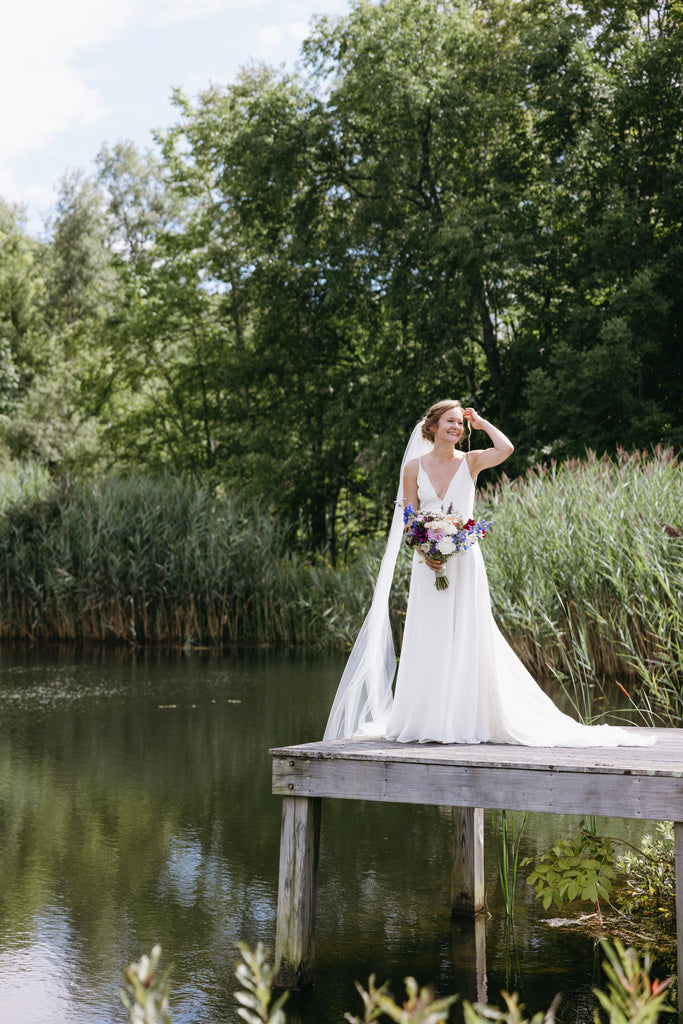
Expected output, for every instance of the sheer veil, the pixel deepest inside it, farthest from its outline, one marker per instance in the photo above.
(363, 700)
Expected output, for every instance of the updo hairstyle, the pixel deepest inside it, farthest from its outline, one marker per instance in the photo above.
(433, 415)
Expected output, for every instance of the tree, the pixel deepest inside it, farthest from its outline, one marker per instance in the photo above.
(18, 287)
(602, 350)
(56, 419)
(279, 261)
(436, 151)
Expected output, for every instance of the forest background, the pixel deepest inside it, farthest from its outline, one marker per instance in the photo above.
(466, 198)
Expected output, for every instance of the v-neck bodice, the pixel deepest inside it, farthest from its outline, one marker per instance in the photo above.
(459, 493)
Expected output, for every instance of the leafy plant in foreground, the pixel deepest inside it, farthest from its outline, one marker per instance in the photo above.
(631, 997)
(146, 993)
(420, 1007)
(631, 994)
(255, 975)
(650, 875)
(579, 866)
(513, 1013)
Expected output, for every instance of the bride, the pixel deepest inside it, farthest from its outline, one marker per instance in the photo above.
(458, 679)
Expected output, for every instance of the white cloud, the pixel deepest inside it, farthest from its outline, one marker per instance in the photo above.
(298, 30)
(43, 69)
(51, 74)
(268, 41)
(47, 92)
(270, 38)
(53, 97)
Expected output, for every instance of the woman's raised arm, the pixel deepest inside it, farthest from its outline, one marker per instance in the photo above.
(485, 458)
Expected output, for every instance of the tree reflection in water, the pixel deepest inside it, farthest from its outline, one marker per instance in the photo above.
(136, 808)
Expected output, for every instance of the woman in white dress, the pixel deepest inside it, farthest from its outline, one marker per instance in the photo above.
(458, 680)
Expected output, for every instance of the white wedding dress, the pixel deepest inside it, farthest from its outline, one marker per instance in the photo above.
(458, 679)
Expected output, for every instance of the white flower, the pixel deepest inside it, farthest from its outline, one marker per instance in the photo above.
(445, 546)
(450, 528)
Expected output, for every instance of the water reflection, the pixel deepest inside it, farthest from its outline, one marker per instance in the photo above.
(135, 807)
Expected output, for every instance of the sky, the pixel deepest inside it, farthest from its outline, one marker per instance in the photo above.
(76, 74)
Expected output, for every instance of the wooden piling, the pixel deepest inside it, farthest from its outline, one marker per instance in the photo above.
(299, 848)
(467, 860)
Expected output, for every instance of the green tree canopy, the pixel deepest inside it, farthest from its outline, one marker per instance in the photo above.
(474, 198)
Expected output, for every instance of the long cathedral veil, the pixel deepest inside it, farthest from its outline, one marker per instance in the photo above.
(364, 700)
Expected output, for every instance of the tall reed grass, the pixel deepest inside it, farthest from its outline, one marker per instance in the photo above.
(585, 563)
(159, 561)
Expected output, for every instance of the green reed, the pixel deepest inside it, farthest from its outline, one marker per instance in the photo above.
(585, 563)
(158, 560)
(507, 845)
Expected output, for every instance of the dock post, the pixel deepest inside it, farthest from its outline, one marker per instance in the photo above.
(678, 862)
(467, 861)
(295, 930)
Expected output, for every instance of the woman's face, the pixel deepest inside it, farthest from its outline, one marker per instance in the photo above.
(450, 427)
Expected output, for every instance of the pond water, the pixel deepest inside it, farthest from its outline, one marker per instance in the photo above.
(135, 808)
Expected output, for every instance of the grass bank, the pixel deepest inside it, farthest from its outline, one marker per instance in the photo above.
(585, 565)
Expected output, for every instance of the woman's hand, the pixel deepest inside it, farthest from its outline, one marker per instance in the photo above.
(485, 458)
(476, 421)
(433, 565)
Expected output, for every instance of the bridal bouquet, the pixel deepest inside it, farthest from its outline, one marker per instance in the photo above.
(439, 535)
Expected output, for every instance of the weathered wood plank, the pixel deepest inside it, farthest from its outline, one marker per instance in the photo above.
(653, 797)
(467, 860)
(295, 929)
(664, 758)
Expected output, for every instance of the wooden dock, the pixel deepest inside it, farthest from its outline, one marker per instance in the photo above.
(621, 782)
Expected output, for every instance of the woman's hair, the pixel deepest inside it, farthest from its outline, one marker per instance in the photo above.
(433, 415)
